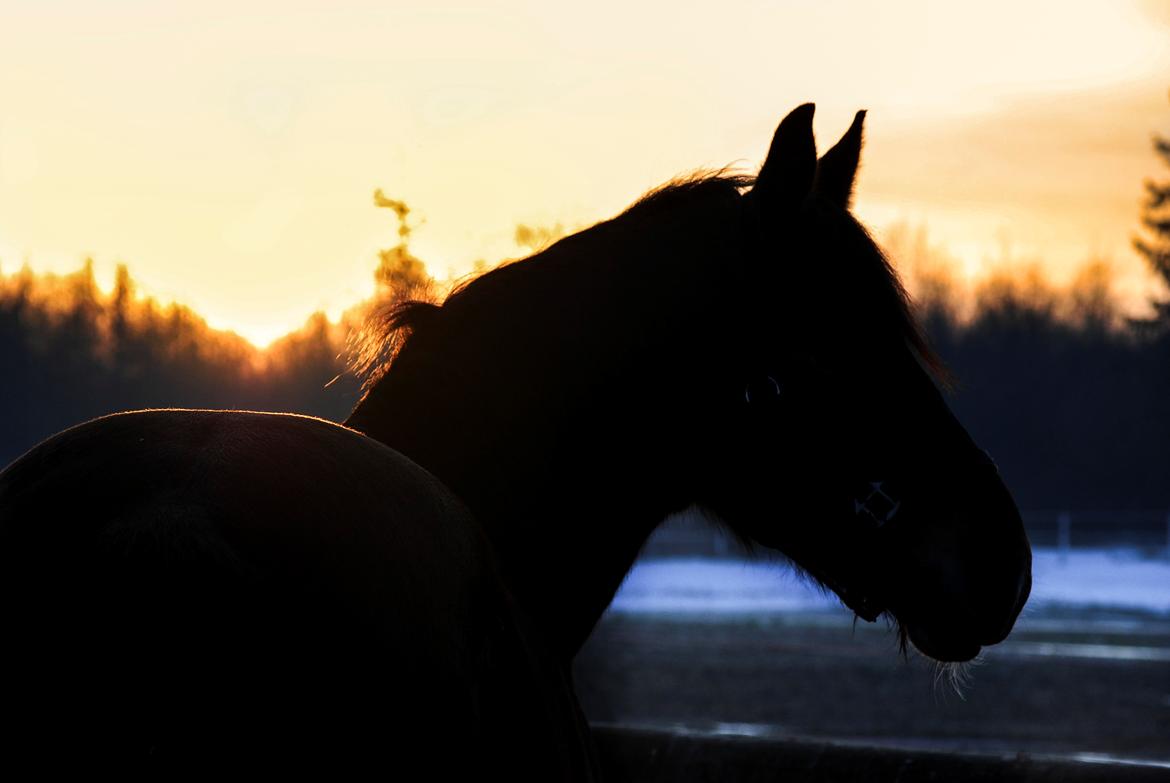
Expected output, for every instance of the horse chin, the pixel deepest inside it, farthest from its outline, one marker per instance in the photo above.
(942, 647)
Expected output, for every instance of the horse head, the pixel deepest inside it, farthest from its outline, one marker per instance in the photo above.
(834, 444)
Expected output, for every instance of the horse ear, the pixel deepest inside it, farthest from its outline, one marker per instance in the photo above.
(837, 168)
(786, 177)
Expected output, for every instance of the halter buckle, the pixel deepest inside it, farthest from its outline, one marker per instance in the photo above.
(878, 504)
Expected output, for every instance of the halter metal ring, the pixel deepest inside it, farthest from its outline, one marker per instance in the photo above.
(777, 389)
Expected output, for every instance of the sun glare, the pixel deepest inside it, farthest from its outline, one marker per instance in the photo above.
(234, 172)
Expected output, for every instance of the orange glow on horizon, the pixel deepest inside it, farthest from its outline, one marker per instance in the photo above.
(231, 165)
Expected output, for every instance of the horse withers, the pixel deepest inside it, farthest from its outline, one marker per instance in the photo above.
(196, 587)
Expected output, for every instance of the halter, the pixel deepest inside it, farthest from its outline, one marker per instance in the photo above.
(874, 506)
(878, 504)
(766, 389)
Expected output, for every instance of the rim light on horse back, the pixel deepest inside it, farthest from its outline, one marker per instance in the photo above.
(201, 585)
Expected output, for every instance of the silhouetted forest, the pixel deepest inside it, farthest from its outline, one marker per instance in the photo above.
(1070, 397)
(70, 352)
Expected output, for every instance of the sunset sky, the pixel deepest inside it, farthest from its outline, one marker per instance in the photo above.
(228, 152)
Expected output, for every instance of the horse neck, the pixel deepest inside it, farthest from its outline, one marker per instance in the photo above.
(558, 444)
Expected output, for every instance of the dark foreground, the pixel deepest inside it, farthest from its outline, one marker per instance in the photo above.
(648, 756)
(1074, 687)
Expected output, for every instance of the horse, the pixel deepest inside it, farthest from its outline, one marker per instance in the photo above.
(408, 588)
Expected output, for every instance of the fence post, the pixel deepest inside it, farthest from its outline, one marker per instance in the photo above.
(1064, 534)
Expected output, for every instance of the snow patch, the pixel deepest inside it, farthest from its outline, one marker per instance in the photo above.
(1113, 579)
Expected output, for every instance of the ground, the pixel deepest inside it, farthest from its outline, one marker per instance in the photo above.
(749, 650)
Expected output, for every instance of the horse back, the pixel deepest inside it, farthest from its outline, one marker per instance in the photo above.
(179, 583)
(274, 497)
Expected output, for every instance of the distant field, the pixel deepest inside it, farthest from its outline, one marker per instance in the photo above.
(1071, 680)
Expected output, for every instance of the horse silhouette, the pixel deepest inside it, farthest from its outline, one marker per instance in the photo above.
(187, 588)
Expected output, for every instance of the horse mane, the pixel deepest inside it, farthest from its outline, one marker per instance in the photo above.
(391, 325)
(374, 347)
(908, 324)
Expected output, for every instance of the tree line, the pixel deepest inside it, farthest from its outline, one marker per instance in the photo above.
(70, 352)
(1070, 397)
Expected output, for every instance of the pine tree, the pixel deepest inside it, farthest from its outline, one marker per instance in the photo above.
(1156, 248)
(400, 274)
